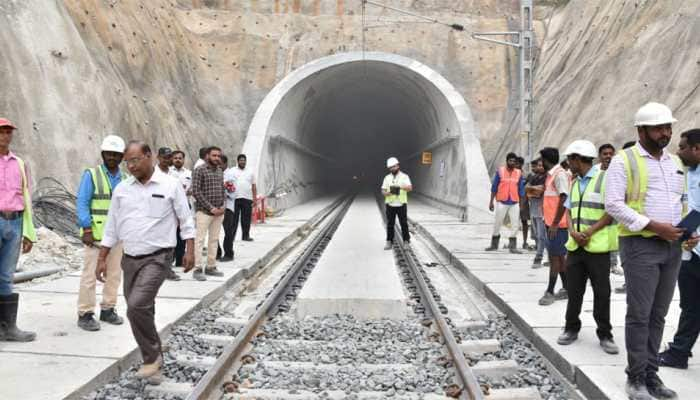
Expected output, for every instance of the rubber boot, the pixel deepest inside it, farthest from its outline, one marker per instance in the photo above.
(512, 246)
(8, 320)
(494, 243)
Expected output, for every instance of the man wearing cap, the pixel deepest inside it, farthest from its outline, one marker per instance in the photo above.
(645, 192)
(17, 231)
(591, 238)
(92, 204)
(395, 189)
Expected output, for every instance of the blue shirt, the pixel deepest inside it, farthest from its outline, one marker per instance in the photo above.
(521, 188)
(85, 192)
(693, 175)
(582, 185)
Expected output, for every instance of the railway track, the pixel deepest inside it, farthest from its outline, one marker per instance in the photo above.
(273, 355)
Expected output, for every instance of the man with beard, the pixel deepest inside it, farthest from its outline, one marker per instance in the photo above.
(92, 203)
(689, 277)
(644, 192)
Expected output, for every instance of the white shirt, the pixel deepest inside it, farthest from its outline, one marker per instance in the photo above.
(198, 163)
(184, 175)
(243, 179)
(145, 217)
(400, 179)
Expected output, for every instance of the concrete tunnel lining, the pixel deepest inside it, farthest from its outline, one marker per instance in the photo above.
(345, 113)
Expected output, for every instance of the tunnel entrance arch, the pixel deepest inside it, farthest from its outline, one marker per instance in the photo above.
(339, 117)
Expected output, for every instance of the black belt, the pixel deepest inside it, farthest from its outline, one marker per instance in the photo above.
(10, 215)
(155, 253)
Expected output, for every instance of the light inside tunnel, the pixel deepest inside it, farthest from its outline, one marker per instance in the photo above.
(343, 116)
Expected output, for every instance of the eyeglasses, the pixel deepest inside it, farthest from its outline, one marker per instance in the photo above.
(134, 161)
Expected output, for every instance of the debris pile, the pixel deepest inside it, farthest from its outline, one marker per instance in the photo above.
(51, 250)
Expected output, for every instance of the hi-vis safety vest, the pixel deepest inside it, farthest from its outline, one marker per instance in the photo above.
(587, 208)
(402, 197)
(637, 181)
(550, 199)
(99, 205)
(28, 230)
(508, 186)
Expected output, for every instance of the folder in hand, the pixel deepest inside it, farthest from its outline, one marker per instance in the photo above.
(689, 224)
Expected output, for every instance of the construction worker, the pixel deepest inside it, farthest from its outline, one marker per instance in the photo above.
(556, 191)
(145, 211)
(591, 238)
(507, 188)
(93, 200)
(644, 192)
(679, 349)
(17, 230)
(395, 188)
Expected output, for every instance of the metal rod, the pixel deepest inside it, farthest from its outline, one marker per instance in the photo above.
(402, 11)
(29, 275)
(486, 39)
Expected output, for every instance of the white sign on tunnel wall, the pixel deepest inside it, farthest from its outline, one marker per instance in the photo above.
(442, 168)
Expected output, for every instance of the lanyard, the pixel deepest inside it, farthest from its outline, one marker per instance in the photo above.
(580, 202)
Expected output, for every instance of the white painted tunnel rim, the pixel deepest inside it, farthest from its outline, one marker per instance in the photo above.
(254, 143)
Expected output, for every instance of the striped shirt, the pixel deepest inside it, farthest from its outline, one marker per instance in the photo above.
(662, 202)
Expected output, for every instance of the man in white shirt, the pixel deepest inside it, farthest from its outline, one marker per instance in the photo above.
(239, 203)
(395, 189)
(202, 158)
(184, 176)
(143, 215)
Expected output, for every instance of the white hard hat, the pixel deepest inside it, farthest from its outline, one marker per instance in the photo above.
(653, 114)
(113, 143)
(391, 162)
(583, 148)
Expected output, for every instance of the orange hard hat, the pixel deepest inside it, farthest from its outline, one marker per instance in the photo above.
(6, 122)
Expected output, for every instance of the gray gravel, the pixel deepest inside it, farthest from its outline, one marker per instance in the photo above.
(533, 370)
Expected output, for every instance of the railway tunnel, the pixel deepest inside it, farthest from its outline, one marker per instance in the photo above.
(332, 124)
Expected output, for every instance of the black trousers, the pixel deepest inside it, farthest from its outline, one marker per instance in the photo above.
(391, 214)
(243, 210)
(689, 322)
(581, 266)
(229, 233)
(179, 249)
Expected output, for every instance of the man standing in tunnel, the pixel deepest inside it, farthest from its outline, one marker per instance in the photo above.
(395, 189)
(507, 189)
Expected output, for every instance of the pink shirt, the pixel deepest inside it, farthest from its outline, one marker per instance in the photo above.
(11, 198)
(665, 189)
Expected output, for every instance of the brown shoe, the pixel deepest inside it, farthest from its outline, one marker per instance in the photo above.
(148, 371)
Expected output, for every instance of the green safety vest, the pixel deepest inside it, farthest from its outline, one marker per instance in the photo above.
(587, 208)
(101, 199)
(637, 181)
(28, 230)
(402, 197)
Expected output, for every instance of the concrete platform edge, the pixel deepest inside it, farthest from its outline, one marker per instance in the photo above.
(567, 373)
(124, 363)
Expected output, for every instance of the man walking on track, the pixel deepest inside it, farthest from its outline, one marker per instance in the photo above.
(395, 188)
(93, 200)
(144, 214)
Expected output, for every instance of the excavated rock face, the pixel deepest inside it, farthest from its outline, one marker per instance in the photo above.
(192, 73)
(602, 60)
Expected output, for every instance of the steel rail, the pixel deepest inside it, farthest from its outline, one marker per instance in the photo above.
(211, 382)
(470, 388)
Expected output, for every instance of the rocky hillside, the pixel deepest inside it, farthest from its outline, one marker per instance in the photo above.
(189, 73)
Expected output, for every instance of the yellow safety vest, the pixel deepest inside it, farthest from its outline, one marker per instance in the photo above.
(402, 197)
(587, 208)
(637, 181)
(101, 199)
(28, 230)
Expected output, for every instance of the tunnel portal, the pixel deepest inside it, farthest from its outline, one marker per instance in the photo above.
(333, 123)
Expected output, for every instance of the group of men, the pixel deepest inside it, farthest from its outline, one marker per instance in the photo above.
(634, 201)
(136, 222)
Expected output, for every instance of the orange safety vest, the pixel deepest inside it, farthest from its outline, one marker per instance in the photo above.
(550, 199)
(508, 185)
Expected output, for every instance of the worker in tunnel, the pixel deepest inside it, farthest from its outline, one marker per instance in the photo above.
(507, 188)
(395, 189)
